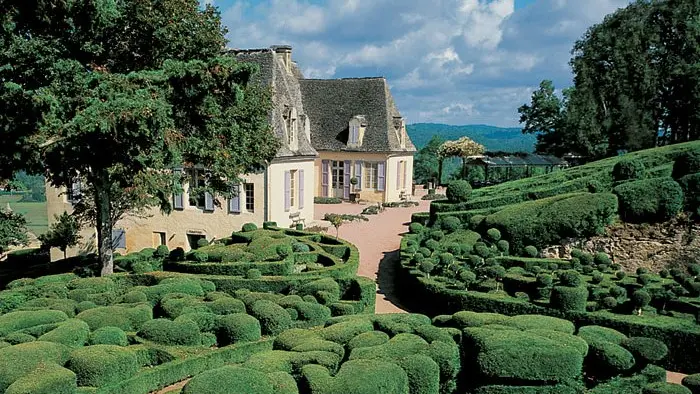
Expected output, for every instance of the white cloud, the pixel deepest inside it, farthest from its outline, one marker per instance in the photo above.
(457, 61)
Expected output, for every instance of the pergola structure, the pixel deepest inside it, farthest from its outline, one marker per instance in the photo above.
(526, 161)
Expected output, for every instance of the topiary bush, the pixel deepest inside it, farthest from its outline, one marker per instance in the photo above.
(458, 191)
(606, 359)
(686, 163)
(494, 234)
(253, 273)
(450, 224)
(173, 333)
(72, 333)
(237, 328)
(692, 382)
(108, 336)
(230, 380)
(568, 298)
(665, 388)
(200, 257)
(102, 365)
(645, 350)
(650, 200)
(531, 251)
(273, 318)
(45, 379)
(628, 169)
(248, 227)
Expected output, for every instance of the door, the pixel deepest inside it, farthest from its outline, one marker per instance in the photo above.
(337, 177)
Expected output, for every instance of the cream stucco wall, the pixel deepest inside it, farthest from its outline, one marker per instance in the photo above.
(177, 225)
(276, 197)
(390, 193)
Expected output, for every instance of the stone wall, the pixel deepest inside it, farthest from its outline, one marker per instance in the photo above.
(669, 244)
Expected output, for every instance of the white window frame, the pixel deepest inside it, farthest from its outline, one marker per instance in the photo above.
(370, 175)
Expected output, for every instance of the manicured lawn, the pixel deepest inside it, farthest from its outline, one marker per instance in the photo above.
(35, 212)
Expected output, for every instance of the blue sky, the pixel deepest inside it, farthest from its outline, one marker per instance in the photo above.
(446, 61)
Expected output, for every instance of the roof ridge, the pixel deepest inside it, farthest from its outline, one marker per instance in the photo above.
(344, 79)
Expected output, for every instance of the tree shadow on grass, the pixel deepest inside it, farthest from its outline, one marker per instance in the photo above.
(386, 278)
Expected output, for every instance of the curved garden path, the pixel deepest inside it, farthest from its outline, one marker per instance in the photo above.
(378, 241)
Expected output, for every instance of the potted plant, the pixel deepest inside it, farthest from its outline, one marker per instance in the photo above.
(354, 197)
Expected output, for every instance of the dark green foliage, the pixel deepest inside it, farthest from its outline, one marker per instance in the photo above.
(608, 359)
(642, 271)
(620, 275)
(503, 246)
(628, 169)
(531, 251)
(357, 377)
(415, 228)
(18, 337)
(237, 328)
(640, 298)
(230, 380)
(645, 279)
(569, 298)
(200, 257)
(608, 302)
(269, 225)
(458, 191)
(597, 277)
(601, 258)
(177, 254)
(327, 200)
(168, 332)
(72, 333)
(570, 278)
(450, 224)
(202, 242)
(649, 200)
(161, 252)
(128, 319)
(685, 164)
(248, 227)
(665, 388)
(494, 235)
(253, 273)
(423, 374)
(645, 350)
(272, 317)
(691, 190)
(543, 280)
(344, 332)
(20, 360)
(102, 365)
(692, 382)
(14, 321)
(368, 339)
(300, 247)
(49, 378)
(109, 336)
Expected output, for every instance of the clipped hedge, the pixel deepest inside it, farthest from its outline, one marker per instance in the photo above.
(21, 360)
(47, 378)
(649, 200)
(167, 332)
(101, 365)
(229, 380)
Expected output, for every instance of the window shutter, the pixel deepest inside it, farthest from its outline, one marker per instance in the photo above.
(301, 189)
(234, 203)
(325, 164)
(287, 190)
(358, 175)
(178, 199)
(405, 168)
(398, 175)
(118, 239)
(346, 179)
(381, 176)
(208, 201)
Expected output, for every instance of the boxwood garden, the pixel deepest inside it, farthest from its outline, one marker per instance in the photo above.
(480, 252)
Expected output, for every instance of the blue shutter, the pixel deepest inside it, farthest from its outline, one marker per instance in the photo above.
(301, 189)
(208, 201)
(234, 203)
(287, 190)
(381, 176)
(346, 180)
(358, 175)
(118, 239)
(325, 165)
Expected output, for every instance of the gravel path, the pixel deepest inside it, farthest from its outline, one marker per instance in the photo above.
(378, 241)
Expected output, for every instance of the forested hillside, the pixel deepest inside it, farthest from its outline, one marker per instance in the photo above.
(493, 138)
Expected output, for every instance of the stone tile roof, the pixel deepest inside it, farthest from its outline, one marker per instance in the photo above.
(331, 103)
(286, 92)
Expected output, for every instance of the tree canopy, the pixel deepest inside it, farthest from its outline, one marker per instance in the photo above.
(636, 84)
(119, 93)
(13, 230)
(426, 163)
(63, 234)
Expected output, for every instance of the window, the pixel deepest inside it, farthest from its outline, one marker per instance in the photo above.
(370, 175)
(159, 239)
(192, 239)
(197, 180)
(401, 180)
(354, 138)
(250, 197)
(292, 187)
(73, 192)
(118, 239)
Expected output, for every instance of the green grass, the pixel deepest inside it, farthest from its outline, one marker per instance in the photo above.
(35, 212)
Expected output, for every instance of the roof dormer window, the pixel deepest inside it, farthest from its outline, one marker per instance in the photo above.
(354, 134)
(356, 131)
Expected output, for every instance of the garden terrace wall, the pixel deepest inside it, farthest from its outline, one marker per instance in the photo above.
(158, 377)
(423, 295)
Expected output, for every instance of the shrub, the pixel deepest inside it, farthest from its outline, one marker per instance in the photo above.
(368, 339)
(237, 328)
(329, 287)
(18, 320)
(230, 380)
(601, 258)
(272, 317)
(437, 235)
(503, 246)
(665, 388)
(686, 163)
(620, 275)
(248, 227)
(20, 360)
(645, 350)
(608, 359)
(45, 379)
(642, 271)
(599, 333)
(494, 234)
(597, 277)
(109, 336)
(692, 382)
(253, 273)
(177, 254)
(269, 225)
(569, 298)
(102, 365)
(458, 191)
(161, 252)
(450, 224)
(300, 247)
(543, 280)
(570, 278)
(645, 279)
(357, 376)
(173, 333)
(446, 259)
(72, 333)
(531, 251)
(691, 190)
(628, 169)
(609, 302)
(640, 299)
(415, 228)
(649, 200)
(128, 319)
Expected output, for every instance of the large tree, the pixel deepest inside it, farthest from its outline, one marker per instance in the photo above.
(426, 163)
(544, 116)
(119, 93)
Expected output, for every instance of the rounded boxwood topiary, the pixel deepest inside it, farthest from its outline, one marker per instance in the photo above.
(432, 245)
(640, 299)
(437, 235)
(628, 169)
(248, 227)
(283, 251)
(237, 328)
(253, 273)
(300, 247)
(645, 350)
(645, 279)
(665, 388)
(686, 163)
(72, 333)
(601, 258)
(608, 302)
(620, 275)
(618, 292)
(198, 256)
(46, 378)
(494, 234)
(17, 337)
(202, 242)
(543, 280)
(599, 333)
(597, 277)
(177, 254)
(161, 252)
(415, 228)
(168, 332)
(531, 251)
(609, 359)
(568, 298)
(109, 336)
(570, 278)
(458, 191)
(102, 365)
(230, 380)
(503, 246)
(692, 382)
(450, 224)
(446, 259)
(272, 317)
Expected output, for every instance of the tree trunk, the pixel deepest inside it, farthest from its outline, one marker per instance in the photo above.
(104, 222)
(439, 180)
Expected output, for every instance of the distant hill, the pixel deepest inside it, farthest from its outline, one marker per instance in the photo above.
(493, 138)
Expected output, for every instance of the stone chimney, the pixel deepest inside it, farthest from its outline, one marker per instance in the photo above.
(285, 52)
